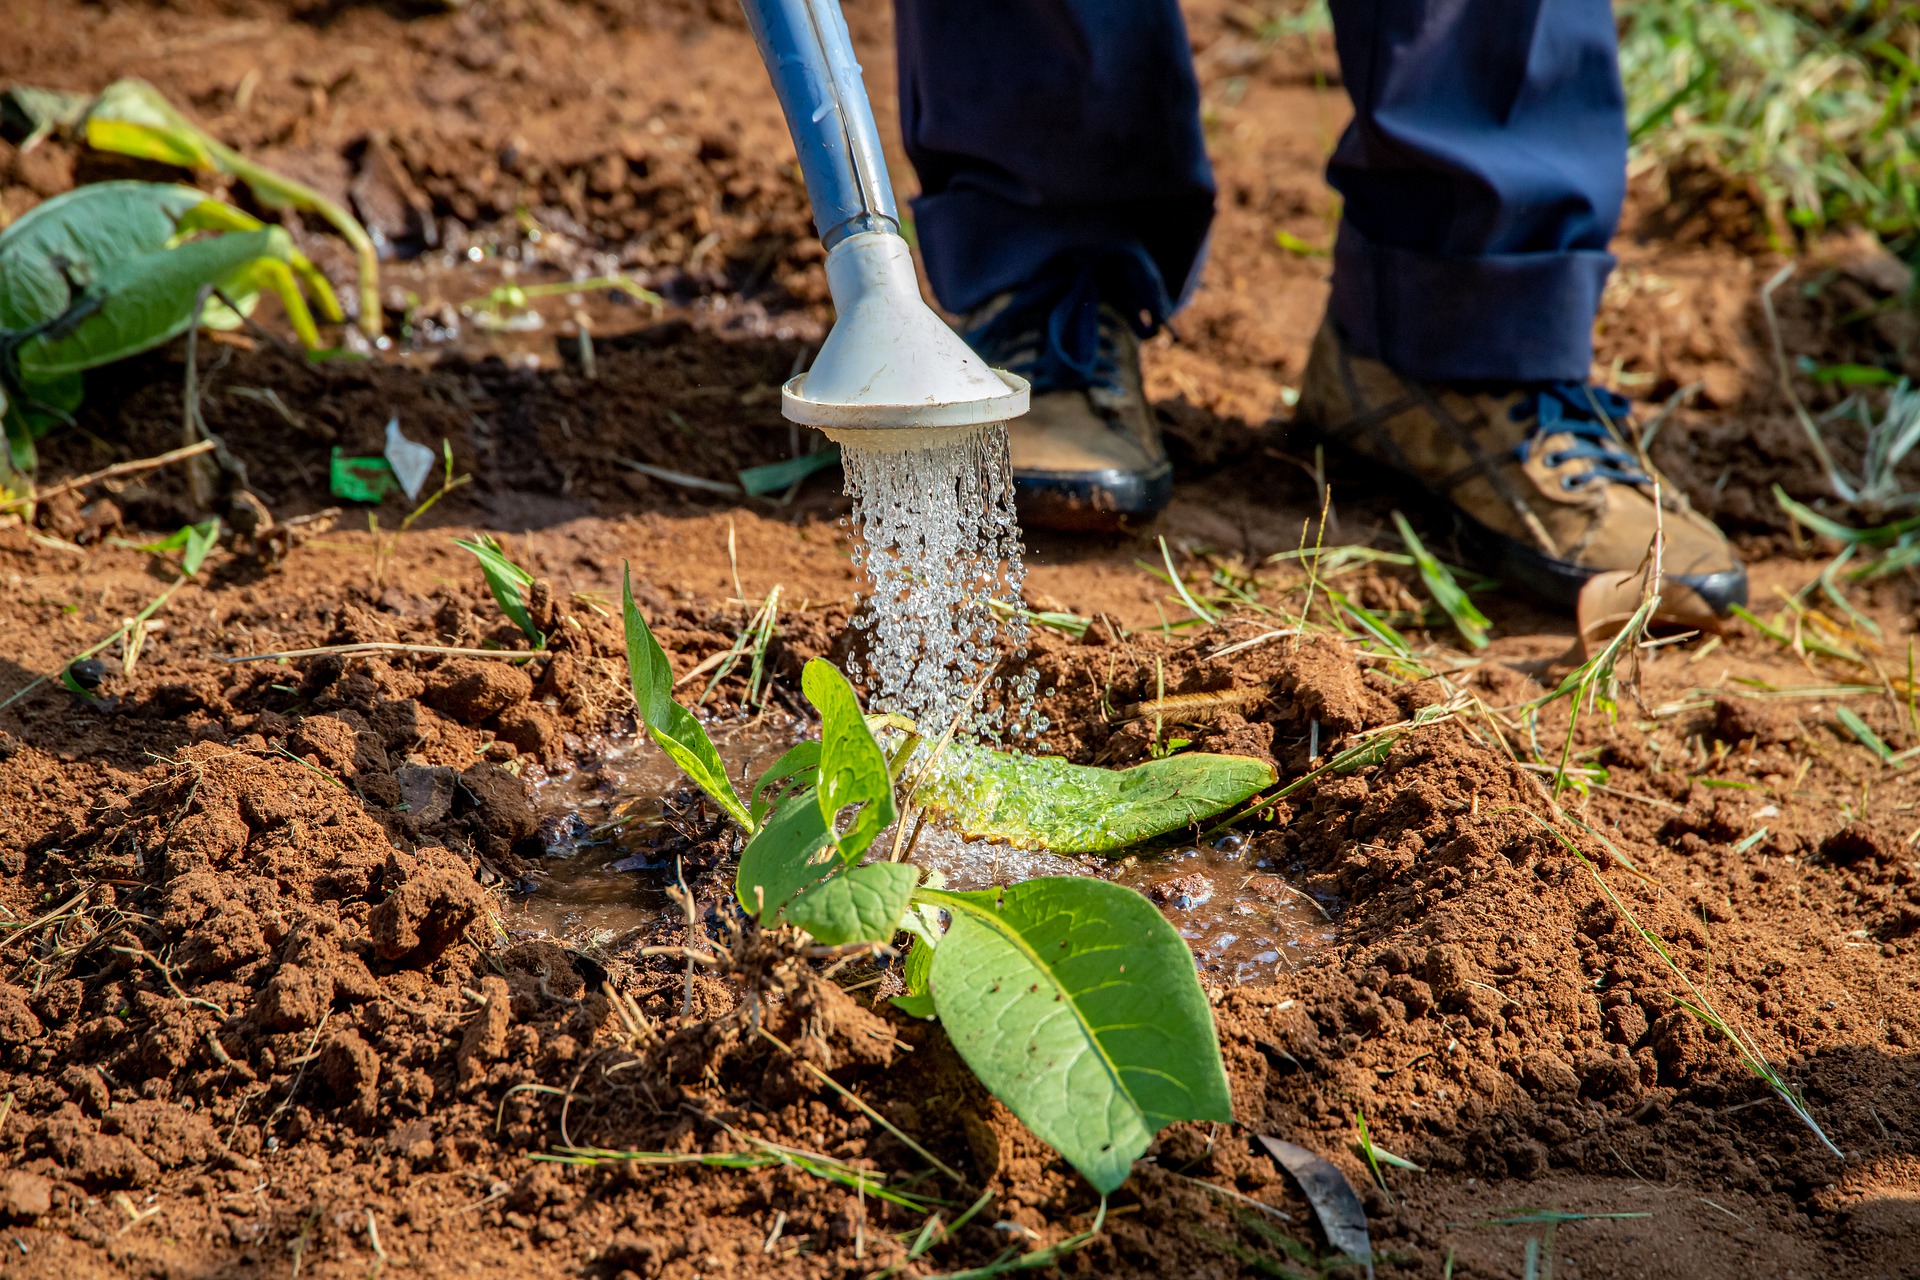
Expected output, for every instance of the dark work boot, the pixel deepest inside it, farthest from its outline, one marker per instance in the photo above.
(1087, 455)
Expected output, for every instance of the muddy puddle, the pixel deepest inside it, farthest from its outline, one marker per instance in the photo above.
(606, 871)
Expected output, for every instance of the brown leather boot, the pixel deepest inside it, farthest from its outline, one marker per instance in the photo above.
(1087, 455)
(1543, 486)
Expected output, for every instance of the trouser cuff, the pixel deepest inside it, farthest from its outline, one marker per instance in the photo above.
(1504, 317)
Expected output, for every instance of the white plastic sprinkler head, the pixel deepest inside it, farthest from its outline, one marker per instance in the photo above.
(891, 374)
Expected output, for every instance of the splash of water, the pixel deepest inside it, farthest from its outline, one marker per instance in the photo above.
(935, 531)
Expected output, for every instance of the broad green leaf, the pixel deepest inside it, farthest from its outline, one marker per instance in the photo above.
(134, 118)
(90, 228)
(790, 852)
(853, 769)
(671, 724)
(918, 971)
(797, 769)
(1076, 1003)
(1044, 802)
(138, 303)
(859, 904)
(200, 540)
(509, 582)
(916, 1005)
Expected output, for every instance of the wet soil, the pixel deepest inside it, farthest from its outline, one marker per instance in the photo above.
(275, 997)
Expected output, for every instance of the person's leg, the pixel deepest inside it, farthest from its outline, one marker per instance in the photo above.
(1483, 175)
(1066, 199)
(1041, 128)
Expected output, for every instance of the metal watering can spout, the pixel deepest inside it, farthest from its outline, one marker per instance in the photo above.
(891, 374)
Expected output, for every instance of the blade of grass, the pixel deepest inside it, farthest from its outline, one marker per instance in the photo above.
(1467, 620)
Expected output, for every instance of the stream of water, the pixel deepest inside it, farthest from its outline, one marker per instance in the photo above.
(934, 530)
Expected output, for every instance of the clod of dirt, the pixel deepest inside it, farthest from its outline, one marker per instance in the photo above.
(499, 801)
(427, 792)
(532, 729)
(1320, 681)
(24, 1196)
(472, 689)
(486, 1037)
(433, 901)
(340, 743)
(1737, 720)
(1182, 892)
(1858, 841)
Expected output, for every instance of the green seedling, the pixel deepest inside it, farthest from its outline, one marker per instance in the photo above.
(766, 1155)
(1173, 578)
(108, 271)
(1594, 684)
(515, 297)
(133, 118)
(1886, 440)
(777, 477)
(1033, 1259)
(1067, 624)
(508, 582)
(193, 542)
(1447, 593)
(1072, 999)
(1697, 1002)
(1365, 1145)
(384, 547)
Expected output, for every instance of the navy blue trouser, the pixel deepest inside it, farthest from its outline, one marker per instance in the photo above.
(1483, 172)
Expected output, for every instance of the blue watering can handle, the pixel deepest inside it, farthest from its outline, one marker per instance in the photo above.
(810, 57)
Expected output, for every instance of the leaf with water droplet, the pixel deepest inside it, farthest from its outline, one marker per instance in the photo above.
(853, 770)
(1046, 802)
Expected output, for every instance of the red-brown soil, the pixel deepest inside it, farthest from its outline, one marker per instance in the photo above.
(257, 1016)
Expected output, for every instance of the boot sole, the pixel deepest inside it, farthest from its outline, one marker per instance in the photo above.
(1524, 568)
(1091, 501)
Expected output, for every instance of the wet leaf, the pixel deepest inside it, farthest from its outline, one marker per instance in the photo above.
(798, 768)
(786, 855)
(88, 228)
(860, 904)
(1045, 802)
(853, 770)
(1333, 1198)
(671, 725)
(1076, 1003)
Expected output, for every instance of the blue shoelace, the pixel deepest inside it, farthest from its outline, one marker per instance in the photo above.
(1585, 412)
(1052, 333)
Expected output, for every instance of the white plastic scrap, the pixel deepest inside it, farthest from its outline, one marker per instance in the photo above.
(412, 463)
